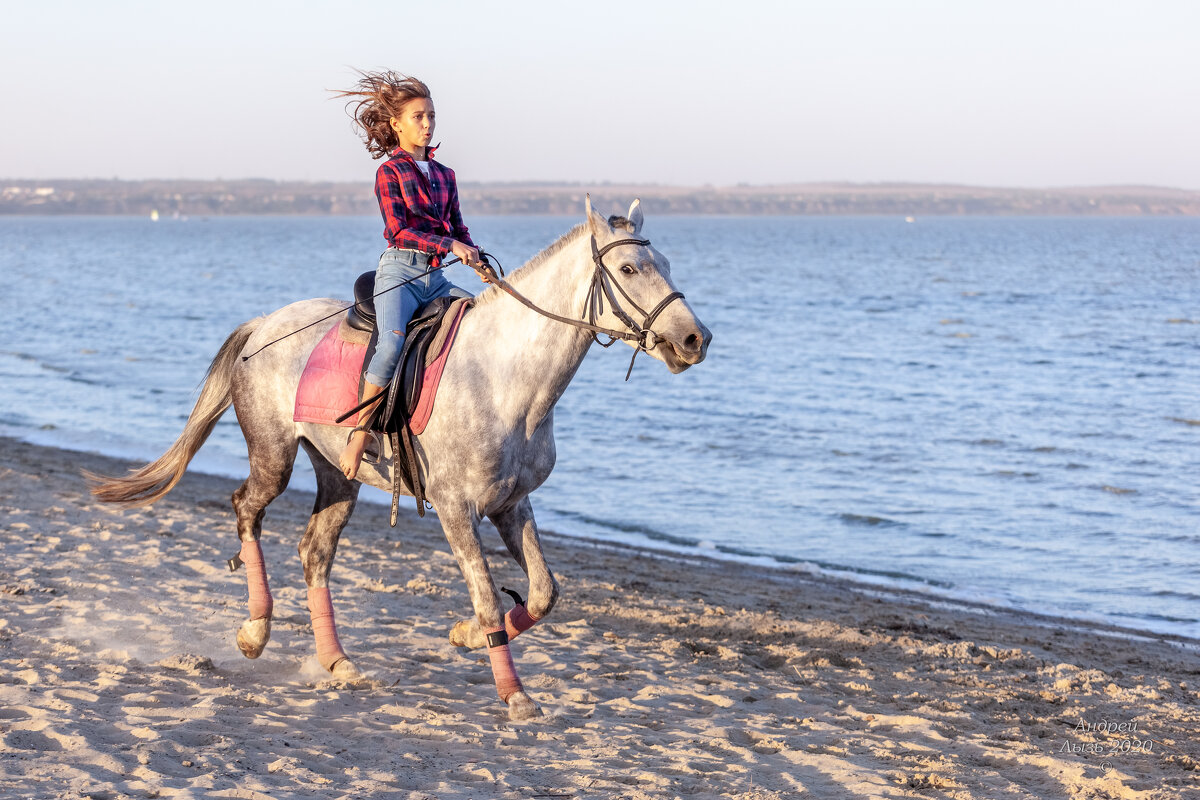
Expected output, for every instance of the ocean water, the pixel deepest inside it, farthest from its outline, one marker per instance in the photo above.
(999, 409)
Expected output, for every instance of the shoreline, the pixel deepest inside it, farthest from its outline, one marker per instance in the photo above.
(915, 588)
(704, 678)
(1014, 615)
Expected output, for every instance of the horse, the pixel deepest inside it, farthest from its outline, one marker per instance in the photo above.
(488, 444)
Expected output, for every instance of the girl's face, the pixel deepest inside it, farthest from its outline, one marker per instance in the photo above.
(414, 126)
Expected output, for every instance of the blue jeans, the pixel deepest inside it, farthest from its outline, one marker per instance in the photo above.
(394, 309)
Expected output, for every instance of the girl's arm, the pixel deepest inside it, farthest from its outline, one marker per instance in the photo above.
(458, 228)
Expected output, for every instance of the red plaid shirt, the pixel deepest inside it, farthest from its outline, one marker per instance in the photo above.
(419, 213)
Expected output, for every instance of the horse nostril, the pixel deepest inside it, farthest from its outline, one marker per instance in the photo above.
(692, 342)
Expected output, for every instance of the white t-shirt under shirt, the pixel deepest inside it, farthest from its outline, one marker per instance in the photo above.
(423, 166)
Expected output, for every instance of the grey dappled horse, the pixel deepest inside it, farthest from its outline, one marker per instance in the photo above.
(489, 443)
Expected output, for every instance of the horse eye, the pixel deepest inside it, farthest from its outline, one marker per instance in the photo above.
(628, 270)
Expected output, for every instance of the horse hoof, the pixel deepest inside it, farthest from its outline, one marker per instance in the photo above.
(253, 636)
(461, 635)
(521, 706)
(344, 670)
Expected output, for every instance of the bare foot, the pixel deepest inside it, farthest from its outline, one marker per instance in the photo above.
(353, 453)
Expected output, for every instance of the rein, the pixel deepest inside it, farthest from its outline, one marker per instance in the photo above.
(601, 288)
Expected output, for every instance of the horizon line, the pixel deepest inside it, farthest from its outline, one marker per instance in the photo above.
(881, 184)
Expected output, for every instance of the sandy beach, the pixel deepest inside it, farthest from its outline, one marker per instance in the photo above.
(659, 678)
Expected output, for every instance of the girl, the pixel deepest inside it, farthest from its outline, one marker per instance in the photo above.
(418, 198)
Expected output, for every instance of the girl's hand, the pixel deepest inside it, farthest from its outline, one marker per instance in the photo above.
(467, 254)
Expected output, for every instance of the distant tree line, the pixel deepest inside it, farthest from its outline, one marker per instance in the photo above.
(214, 198)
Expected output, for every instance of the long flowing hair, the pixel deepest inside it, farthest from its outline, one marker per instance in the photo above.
(374, 100)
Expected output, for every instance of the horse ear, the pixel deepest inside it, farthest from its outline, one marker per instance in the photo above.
(597, 224)
(635, 215)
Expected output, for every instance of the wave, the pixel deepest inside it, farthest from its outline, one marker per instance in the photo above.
(869, 519)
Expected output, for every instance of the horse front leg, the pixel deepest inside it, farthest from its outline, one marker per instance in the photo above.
(463, 535)
(336, 497)
(520, 535)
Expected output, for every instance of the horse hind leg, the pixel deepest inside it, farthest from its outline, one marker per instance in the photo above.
(270, 471)
(336, 497)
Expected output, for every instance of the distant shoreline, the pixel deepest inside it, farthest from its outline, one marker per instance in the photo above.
(258, 196)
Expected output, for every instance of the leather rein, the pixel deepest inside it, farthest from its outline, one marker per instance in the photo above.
(601, 289)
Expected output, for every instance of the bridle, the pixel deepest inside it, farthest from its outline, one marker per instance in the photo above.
(602, 279)
(601, 288)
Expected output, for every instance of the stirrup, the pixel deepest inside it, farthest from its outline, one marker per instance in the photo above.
(369, 456)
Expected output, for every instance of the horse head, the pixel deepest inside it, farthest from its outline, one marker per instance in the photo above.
(634, 291)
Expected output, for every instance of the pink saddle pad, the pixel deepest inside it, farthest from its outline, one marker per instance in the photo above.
(329, 384)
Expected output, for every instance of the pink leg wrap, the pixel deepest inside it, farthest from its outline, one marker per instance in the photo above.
(320, 608)
(504, 670)
(517, 620)
(256, 580)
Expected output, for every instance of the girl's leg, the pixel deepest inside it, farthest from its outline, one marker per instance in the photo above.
(439, 285)
(356, 445)
(392, 313)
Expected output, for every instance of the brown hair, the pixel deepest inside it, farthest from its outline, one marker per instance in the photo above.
(374, 100)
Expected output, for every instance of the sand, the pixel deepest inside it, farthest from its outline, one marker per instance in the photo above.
(659, 678)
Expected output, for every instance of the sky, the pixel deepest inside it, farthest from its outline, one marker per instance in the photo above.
(1013, 93)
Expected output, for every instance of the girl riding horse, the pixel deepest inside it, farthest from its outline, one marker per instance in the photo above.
(418, 198)
(488, 443)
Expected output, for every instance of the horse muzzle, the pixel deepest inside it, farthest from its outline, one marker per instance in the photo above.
(679, 353)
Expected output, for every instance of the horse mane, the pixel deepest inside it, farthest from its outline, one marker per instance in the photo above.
(492, 292)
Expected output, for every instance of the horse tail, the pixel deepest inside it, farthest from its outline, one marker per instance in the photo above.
(141, 487)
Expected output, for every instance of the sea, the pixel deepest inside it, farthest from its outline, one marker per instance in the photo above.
(999, 410)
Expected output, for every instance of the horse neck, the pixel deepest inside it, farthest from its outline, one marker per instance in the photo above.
(539, 356)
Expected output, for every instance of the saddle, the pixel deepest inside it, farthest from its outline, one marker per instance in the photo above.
(409, 402)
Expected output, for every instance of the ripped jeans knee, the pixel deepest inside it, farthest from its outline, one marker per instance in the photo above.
(387, 354)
